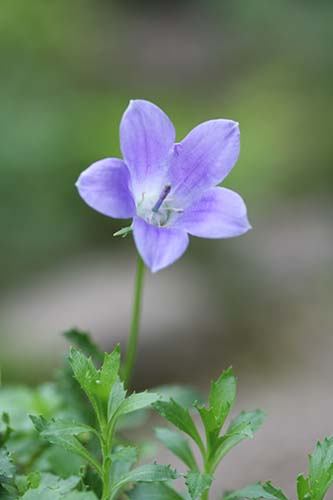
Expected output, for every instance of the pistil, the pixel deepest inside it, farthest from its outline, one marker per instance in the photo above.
(163, 195)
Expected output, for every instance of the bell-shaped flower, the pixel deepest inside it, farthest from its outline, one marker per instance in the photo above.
(169, 189)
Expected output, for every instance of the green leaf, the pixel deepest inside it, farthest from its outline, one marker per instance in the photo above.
(85, 373)
(178, 444)
(269, 488)
(256, 491)
(321, 471)
(247, 422)
(222, 396)
(122, 460)
(303, 488)
(123, 231)
(154, 491)
(63, 434)
(149, 473)
(108, 373)
(59, 427)
(83, 341)
(18, 402)
(197, 483)
(51, 487)
(128, 454)
(180, 417)
(137, 402)
(7, 468)
(60, 461)
(240, 428)
(97, 384)
(209, 421)
(221, 399)
(117, 396)
(5, 428)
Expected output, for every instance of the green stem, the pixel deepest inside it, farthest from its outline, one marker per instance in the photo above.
(134, 329)
(207, 469)
(106, 471)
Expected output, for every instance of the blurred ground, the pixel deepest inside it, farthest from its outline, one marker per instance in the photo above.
(261, 302)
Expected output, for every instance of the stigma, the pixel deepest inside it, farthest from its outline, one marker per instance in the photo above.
(163, 195)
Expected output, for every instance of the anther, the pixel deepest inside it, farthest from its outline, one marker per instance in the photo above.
(163, 195)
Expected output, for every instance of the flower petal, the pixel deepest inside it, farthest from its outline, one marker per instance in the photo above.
(158, 246)
(204, 158)
(219, 213)
(104, 186)
(146, 137)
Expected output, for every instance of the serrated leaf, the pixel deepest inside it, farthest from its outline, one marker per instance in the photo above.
(269, 488)
(85, 373)
(60, 427)
(137, 402)
(240, 428)
(117, 396)
(109, 373)
(7, 468)
(222, 396)
(247, 422)
(52, 488)
(97, 384)
(180, 417)
(149, 473)
(209, 421)
(321, 470)
(257, 491)
(303, 488)
(178, 444)
(154, 491)
(63, 434)
(83, 341)
(197, 483)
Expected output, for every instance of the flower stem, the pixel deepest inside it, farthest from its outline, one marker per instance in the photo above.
(134, 329)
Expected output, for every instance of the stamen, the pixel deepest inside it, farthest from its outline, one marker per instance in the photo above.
(162, 197)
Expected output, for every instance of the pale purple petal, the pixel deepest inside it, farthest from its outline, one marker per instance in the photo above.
(146, 138)
(204, 158)
(219, 213)
(104, 186)
(158, 246)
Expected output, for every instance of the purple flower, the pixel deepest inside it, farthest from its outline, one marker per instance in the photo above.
(168, 188)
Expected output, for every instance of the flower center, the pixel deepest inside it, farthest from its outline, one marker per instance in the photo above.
(158, 213)
(162, 197)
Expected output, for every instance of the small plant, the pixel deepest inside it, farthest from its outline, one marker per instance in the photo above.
(106, 462)
(69, 439)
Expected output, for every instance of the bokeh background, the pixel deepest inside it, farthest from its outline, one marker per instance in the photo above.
(262, 302)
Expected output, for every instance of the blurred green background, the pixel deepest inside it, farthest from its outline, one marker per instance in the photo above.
(261, 302)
